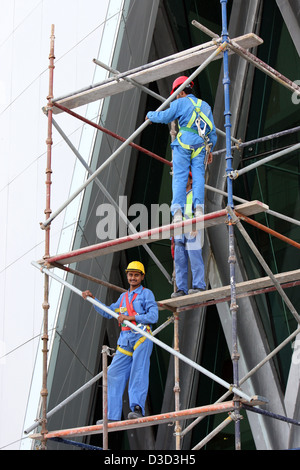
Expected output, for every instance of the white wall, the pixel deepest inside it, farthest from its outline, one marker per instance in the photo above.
(25, 27)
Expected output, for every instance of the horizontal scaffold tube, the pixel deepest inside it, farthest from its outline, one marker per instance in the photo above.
(147, 335)
(268, 230)
(291, 149)
(145, 421)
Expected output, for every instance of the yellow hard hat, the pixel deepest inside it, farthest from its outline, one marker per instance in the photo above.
(135, 266)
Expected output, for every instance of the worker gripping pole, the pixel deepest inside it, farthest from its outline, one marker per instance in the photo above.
(188, 361)
(232, 258)
(132, 137)
(87, 385)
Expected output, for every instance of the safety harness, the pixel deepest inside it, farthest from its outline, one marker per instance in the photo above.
(188, 212)
(129, 310)
(197, 117)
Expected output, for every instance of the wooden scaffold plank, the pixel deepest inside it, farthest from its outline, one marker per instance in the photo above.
(169, 66)
(153, 235)
(224, 292)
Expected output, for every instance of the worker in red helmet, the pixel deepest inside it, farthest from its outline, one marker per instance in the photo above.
(132, 359)
(195, 140)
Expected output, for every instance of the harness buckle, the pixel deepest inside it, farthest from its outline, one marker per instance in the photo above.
(201, 132)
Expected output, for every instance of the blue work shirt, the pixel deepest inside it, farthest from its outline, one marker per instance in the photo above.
(182, 109)
(144, 305)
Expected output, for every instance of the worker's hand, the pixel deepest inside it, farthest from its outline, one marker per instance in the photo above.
(87, 293)
(121, 318)
(209, 158)
(147, 119)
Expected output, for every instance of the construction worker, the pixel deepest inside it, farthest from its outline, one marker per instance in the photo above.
(189, 247)
(196, 139)
(132, 359)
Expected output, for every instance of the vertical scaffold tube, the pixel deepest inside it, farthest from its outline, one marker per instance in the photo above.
(104, 396)
(46, 306)
(177, 382)
(232, 258)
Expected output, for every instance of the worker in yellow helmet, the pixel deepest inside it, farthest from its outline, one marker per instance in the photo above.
(132, 359)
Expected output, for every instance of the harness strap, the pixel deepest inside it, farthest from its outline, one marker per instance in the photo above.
(129, 309)
(123, 351)
(188, 127)
(197, 110)
(137, 344)
(142, 339)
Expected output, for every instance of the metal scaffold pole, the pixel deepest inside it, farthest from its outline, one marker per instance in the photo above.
(105, 350)
(46, 306)
(232, 256)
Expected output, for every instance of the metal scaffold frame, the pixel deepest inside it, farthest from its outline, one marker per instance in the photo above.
(231, 216)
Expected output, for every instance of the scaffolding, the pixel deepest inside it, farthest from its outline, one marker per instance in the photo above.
(232, 215)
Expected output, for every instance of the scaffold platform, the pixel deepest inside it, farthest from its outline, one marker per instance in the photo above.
(255, 286)
(153, 235)
(157, 70)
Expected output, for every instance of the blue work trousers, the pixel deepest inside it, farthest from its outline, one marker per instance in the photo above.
(182, 164)
(134, 368)
(186, 249)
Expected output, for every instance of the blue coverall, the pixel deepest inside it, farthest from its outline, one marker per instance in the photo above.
(132, 359)
(189, 247)
(183, 160)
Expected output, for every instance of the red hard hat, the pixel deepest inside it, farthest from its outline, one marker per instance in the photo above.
(179, 81)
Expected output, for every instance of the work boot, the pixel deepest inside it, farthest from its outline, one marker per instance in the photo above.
(195, 291)
(178, 293)
(136, 413)
(177, 216)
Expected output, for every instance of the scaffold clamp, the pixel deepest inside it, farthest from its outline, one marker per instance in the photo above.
(233, 175)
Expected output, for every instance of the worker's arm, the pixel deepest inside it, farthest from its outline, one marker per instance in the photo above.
(146, 308)
(164, 117)
(113, 306)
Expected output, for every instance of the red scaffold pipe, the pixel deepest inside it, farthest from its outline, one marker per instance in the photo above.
(143, 422)
(112, 134)
(268, 230)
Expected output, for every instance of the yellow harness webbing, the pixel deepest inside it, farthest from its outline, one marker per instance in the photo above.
(196, 112)
(137, 344)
